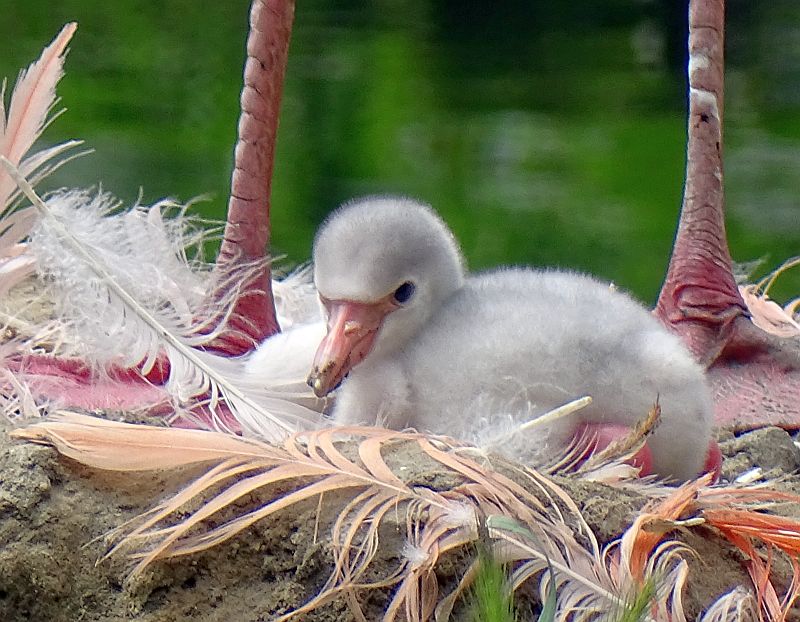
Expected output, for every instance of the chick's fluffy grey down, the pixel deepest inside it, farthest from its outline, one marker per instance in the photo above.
(472, 356)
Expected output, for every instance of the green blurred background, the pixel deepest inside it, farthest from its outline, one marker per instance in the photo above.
(546, 132)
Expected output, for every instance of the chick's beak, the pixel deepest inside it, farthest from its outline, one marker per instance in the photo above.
(352, 327)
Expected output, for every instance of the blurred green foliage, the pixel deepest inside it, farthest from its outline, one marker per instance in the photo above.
(547, 133)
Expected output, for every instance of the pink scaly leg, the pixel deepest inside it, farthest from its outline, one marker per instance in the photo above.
(247, 229)
(755, 376)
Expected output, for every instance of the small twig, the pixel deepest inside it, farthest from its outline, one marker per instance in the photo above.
(557, 413)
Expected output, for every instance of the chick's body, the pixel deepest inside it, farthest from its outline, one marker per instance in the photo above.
(473, 356)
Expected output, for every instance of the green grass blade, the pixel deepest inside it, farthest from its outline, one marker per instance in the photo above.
(492, 598)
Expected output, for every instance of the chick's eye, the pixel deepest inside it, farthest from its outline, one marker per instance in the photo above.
(403, 293)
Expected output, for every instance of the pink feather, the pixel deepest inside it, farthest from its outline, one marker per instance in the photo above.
(31, 102)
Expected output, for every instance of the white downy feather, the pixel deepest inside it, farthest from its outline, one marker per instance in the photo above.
(144, 254)
(16, 399)
(128, 294)
(738, 605)
(15, 262)
(296, 301)
(284, 360)
(141, 250)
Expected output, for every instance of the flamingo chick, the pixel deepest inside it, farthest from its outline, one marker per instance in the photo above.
(416, 342)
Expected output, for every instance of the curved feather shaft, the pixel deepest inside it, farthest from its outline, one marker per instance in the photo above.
(192, 371)
(117, 446)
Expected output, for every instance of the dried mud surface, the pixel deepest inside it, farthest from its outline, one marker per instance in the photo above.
(54, 515)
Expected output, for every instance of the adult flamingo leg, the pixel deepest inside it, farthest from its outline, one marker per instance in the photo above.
(755, 376)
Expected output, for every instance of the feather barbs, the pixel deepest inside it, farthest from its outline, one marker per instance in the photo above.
(135, 317)
(27, 115)
(735, 514)
(21, 124)
(313, 464)
(768, 315)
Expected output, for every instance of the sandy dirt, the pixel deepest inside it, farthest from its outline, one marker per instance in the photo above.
(54, 515)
